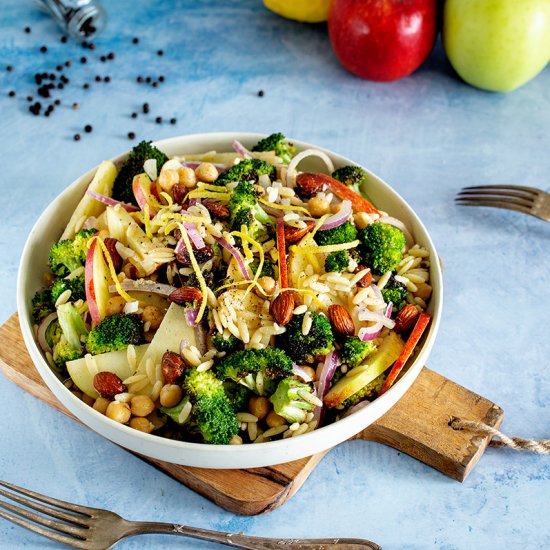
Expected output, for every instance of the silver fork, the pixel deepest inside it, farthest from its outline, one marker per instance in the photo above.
(527, 200)
(94, 528)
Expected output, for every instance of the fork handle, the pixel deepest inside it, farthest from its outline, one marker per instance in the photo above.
(253, 543)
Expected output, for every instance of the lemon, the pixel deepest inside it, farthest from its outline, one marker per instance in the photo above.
(306, 11)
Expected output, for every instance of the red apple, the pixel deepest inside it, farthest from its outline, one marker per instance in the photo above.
(96, 281)
(382, 40)
(141, 187)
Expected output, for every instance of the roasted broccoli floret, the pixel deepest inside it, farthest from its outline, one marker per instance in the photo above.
(352, 176)
(306, 348)
(257, 369)
(73, 331)
(212, 416)
(337, 261)
(267, 268)
(75, 285)
(354, 351)
(229, 345)
(245, 210)
(122, 187)
(115, 332)
(276, 142)
(396, 293)
(293, 400)
(366, 392)
(344, 233)
(42, 305)
(246, 170)
(382, 247)
(69, 254)
(237, 394)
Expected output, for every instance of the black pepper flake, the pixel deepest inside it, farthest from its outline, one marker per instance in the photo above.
(103, 59)
(135, 40)
(43, 49)
(158, 120)
(131, 135)
(88, 128)
(11, 93)
(83, 60)
(76, 137)
(110, 56)
(75, 106)
(64, 39)
(9, 68)
(160, 52)
(57, 102)
(27, 30)
(261, 93)
(146, 108)
(86, 86)
(134, 115)
(173, 121)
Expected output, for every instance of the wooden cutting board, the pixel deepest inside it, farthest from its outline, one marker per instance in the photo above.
(417, 425)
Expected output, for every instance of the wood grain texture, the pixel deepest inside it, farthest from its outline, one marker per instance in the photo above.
(416, 425)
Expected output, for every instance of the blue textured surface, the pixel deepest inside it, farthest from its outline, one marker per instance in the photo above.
(427, 135)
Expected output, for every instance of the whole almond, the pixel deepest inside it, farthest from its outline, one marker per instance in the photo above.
(216, 208)
(309, 183)
(110, 245)
(179, 192)
(282, 307)
(108, 384)
(406, 318)
(341, 320)
(172, 366)
(366, 280)
(185, 294)
(294, 234)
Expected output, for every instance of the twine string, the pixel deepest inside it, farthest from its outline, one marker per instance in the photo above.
(539, 446)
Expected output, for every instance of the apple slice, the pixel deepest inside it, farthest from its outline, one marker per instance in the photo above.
(141, 186)
(112, 361)
(96, 281)
(378, 362)
(101, 183)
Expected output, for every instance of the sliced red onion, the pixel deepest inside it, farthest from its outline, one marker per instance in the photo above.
(42, 328)
(194, 202)
(366, 334)
(356, 408)
(191, 316)
(339, 218)
(376, 317)
(109, 201)
(291, 171)
(325, 377)
(401, 226)
(239, 148)
(236, 254)
(143, 285)
(184, 344)
(194, 235)
(370, 333)
(90, 223)
(300, 372)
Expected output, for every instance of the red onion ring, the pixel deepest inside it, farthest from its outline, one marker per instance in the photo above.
(339, 218)
(356, 408)
(191, 316)
(41, 333)
(300, 372)
(111, 202)
(194, 235)
(370, 333)
(236, 254)
(239, 148)
(291, 171)
(401, 226)
(327, 372)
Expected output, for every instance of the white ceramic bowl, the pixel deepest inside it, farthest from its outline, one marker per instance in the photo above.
(51, 224)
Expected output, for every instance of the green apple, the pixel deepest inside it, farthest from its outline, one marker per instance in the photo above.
(497, 45)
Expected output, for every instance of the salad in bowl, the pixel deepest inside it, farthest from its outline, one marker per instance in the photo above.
(230, 297)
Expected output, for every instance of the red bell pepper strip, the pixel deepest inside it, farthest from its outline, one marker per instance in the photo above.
(410, 344)
(281, 250)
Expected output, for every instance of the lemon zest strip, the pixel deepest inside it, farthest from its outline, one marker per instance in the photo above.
(323, 249)
(112, 270)
(284, 206)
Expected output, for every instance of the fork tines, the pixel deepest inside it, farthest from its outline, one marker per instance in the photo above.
(510, 197)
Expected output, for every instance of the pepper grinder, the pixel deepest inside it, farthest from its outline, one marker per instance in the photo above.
(79, 18)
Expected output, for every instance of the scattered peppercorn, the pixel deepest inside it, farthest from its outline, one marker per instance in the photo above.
(68, 63)
(60, 86)
(161, 78)
(88, 128)
(84, 44)
(110, 56)
(160, 52)
(134, 115)
(83, 60)
(11, 93)
(98, 78)
(76, 137)
(148, 80)
(146, 108)
(103, 59)
(44, 91)
(135, 40)
(27, 30)
(158, 120)
(64, 39)
(75, 106)
(86, 86)
(50, 108)
(57, 102)
(29, 98)
(9, 68)
(107, 79)
(59, 68)
(35, 108)
(131, 135)
(64, 79)
(92, 46)
(261, 93)
(52, 76)
(173, 121)
(43, 49)
(139, 79)
(155, 84)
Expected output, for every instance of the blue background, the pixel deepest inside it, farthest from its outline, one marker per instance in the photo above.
(427, 135)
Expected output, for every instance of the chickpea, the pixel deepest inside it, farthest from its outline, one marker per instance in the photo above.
(335, 207)
(187, 177)
(268, 285)
(424, 290)
(236, 440)
(361, 220)
(152, 315)
(88, 400)
(101, 404)
(170, 395)
(141, 405)
(259, 406)
(130, 270)
(141, 424)
(318, 207)
(119, 412)
(115, 305)
(167, 179)
(273, 420)
(206, 172)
